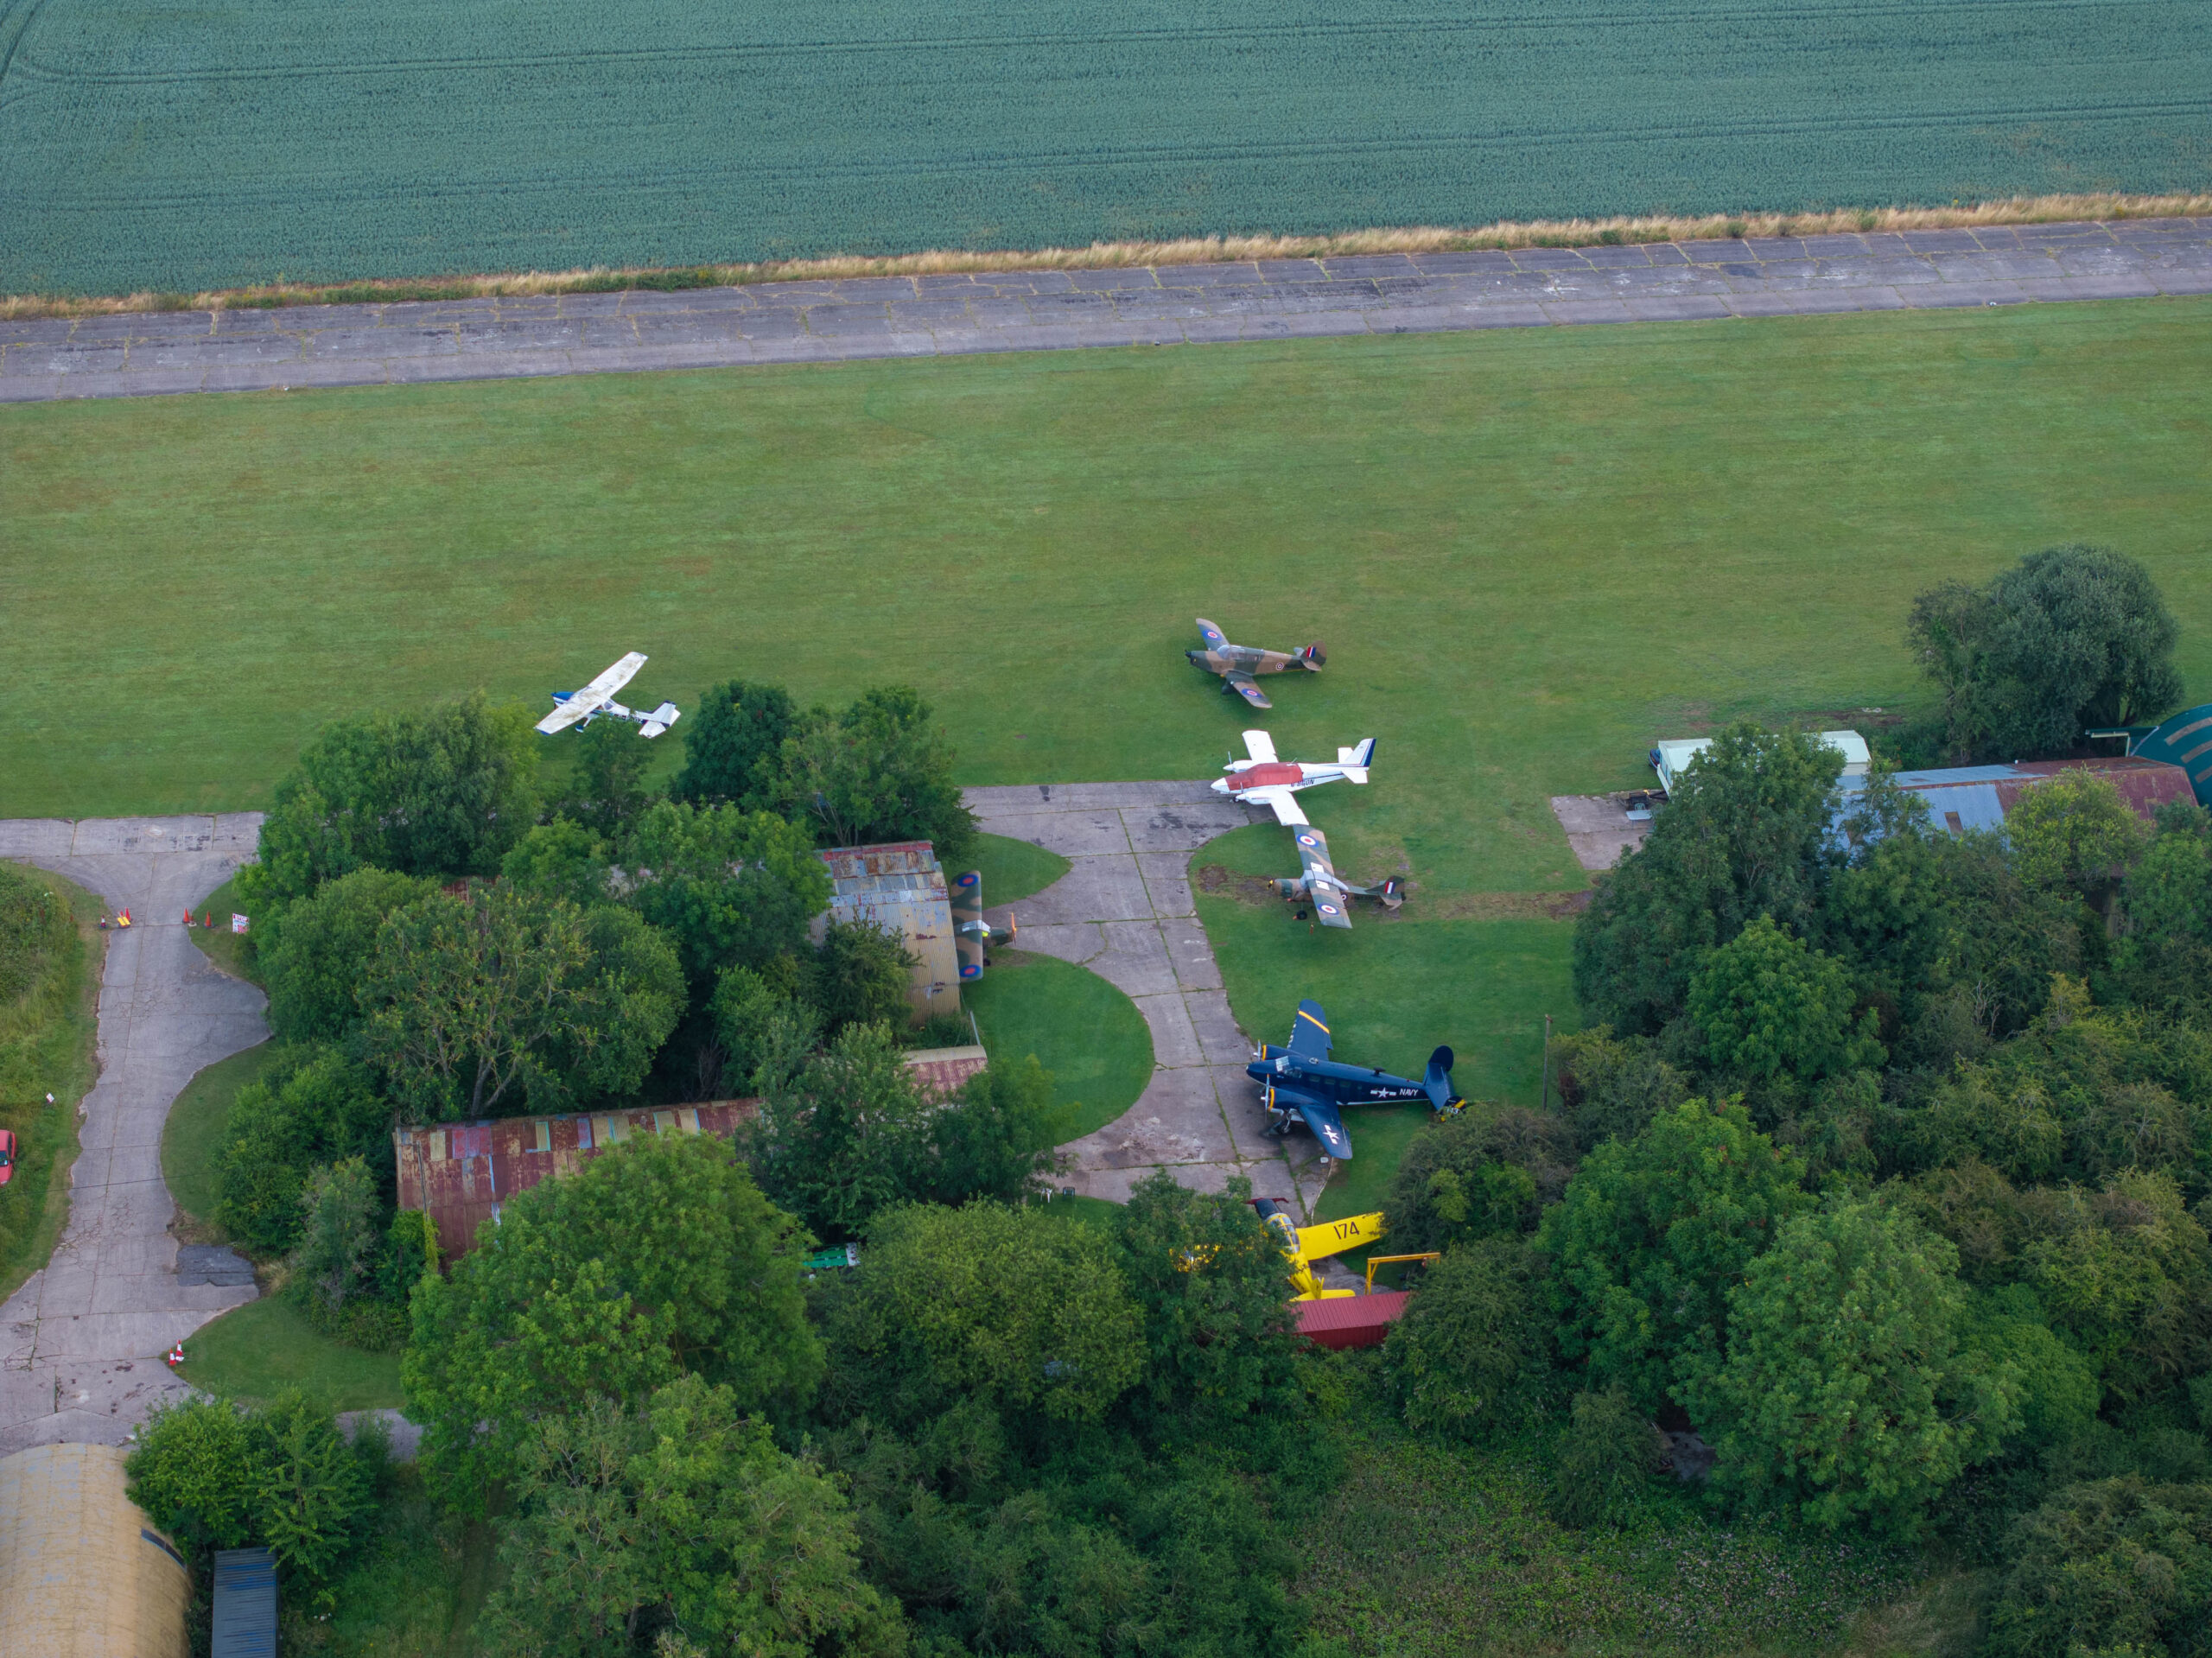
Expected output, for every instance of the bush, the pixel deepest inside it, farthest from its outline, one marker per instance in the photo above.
(1472, 1355)
(1602, 1471)
(282, 1477)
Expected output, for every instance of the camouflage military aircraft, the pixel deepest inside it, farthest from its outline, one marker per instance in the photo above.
(1236, 664)
(971, 934)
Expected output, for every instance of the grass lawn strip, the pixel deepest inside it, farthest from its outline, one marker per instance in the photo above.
(253, 1351)
(1082, 1030)
(195, 1130)
(55, 1051)
(1014, 870)
(226, 949)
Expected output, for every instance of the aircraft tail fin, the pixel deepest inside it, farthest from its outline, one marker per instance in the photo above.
(1314, 658)
(1438, 1083)
(659, 720)
(1356, 759)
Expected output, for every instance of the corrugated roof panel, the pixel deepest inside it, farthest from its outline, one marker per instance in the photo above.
(1352, 1320)
(245, 1604)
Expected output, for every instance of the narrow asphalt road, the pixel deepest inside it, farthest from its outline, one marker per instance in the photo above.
(296, 348)
(81, 1343)
(1124, 911)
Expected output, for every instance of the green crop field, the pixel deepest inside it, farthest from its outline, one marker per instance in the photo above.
(175, 145)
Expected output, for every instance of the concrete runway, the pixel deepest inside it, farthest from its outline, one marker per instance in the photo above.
(152, 354)
(81, 1343)
(1125, 912)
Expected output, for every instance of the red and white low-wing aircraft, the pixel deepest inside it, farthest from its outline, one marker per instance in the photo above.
(1264, 780)
(596, 702)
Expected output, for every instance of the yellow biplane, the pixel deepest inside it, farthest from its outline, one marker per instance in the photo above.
(1303, 1245)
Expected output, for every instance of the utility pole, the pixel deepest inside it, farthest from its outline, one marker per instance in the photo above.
(1546, 1101)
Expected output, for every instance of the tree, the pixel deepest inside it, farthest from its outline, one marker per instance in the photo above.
(1484, 1169)
(734, 747)
(310, 1106)
(440, 791)
(843, 1132)
(2125, 1274)
(1744, 833)
(2069, 638)
(314, 1495)
(997, 1139)
(1605, 1462)
(1844, 1396)
(858, 976)
(1770, 1007)
(560, 859)
(2111, 1566)
(732, 888)
(312, 954)
(679, 1517)
(881, 771)
(749, 1008)
(1651, 1235)
(1472, 1355)
(338, 1229)
(1209, 1281)
(1014, 1310)
(2165, 954)
(2073, 832)
(471, 1002)
(658, 1260)
(1609, 1086)
(607, 790)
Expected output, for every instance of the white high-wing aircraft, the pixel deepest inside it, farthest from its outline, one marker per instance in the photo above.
(596, 701)
(1267, 781)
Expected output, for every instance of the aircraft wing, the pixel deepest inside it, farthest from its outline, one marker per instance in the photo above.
(1321, 877)
(967, 917)
(569, 712)
(1280, 802)
(1334, 1237)
(1214, 638)
(1328, 1127)
(1309, 1033)
(1260, 746)
(617, 676)
(1247, 687)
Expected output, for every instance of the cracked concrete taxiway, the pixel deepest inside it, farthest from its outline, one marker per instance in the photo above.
(1124, 911)
(81, 1343)
(157, 353)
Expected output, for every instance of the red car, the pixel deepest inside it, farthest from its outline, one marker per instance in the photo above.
(7, 1154)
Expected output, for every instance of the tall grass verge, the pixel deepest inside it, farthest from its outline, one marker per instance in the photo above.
(49, 1005)
(2102, 208)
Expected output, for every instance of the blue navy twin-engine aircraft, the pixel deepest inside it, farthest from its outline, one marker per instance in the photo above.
(1302, 1083)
